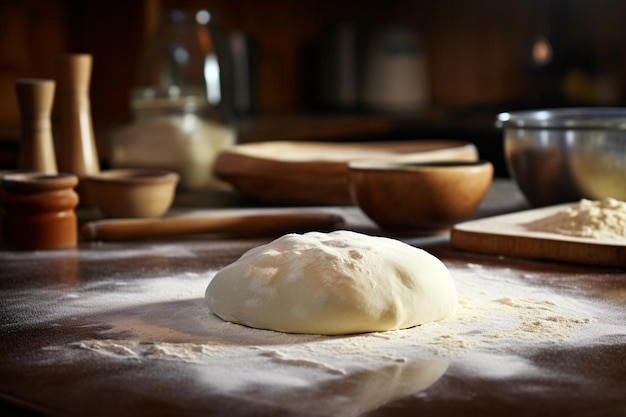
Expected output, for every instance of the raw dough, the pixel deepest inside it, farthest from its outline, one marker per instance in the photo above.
(333, 283)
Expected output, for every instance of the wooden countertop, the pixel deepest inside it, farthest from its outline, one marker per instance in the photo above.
(121, 329)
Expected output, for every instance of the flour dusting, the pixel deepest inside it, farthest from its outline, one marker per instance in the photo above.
(495, 309)
(164, 321)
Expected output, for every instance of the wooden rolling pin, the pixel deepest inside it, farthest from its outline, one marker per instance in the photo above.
(238, 225)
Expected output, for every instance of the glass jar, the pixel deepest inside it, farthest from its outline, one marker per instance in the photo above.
(180, 115)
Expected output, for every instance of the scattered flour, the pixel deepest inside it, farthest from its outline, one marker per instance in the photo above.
(160, 320)
(603, 219)
(494, 310)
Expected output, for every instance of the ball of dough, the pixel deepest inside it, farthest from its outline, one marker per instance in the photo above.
(333, 283)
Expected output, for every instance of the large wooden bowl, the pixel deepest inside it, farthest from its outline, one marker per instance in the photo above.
(316, 173)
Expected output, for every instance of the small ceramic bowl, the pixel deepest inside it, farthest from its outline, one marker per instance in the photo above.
(419, 196)
(132, 193)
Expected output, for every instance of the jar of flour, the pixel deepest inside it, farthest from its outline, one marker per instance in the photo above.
(179, 113)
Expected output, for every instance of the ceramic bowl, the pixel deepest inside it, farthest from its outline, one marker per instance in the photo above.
(132, 193)
(419, 196)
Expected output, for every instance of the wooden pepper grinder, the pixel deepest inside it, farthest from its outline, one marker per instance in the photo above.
(77, 153)
(35, 98)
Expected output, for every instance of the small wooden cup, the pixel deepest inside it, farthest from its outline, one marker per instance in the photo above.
(132, 193)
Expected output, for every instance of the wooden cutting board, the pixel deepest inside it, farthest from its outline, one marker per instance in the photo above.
(316, 173)
(507, 235)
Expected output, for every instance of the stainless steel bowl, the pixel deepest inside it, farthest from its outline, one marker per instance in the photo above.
(562, 155)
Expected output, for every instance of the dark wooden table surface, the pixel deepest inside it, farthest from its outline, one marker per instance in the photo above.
(120, 329)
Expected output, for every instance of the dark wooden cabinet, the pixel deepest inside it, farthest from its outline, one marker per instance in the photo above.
(478, 52)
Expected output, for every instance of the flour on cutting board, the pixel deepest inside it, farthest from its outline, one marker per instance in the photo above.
(601, 219)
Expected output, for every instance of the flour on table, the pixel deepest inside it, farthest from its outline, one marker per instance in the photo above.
(151, 323)
(166, 319)
(597, 219)
(495, 309)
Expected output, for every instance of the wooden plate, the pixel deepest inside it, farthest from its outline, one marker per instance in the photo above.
(507, 235)
(316, 173)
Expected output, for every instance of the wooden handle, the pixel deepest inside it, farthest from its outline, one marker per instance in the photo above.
(75, 72)
(35, 99)
(78, 153)
(246, 225)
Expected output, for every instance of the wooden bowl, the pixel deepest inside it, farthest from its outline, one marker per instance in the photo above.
(419, 196)
(316, 173)
(132, 193)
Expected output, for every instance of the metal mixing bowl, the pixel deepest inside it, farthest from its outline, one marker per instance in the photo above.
(562, 155)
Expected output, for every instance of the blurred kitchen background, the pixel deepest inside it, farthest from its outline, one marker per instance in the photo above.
(343, 70)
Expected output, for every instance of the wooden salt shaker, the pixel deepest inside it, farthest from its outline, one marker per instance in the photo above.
(39, 211)
(77, 153)
(35, 98)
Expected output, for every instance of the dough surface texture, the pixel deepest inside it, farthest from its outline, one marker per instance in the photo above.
(333, 283)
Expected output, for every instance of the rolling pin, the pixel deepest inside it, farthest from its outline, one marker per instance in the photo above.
(238, 225)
